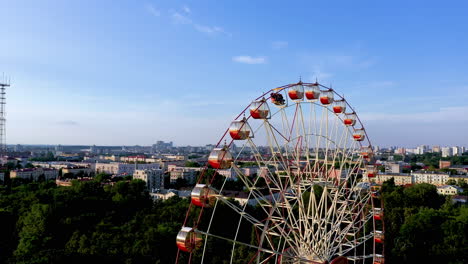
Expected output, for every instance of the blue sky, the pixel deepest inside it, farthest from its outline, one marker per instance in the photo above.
(133, 72)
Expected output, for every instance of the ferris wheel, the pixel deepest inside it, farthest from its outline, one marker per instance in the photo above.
(306, 166)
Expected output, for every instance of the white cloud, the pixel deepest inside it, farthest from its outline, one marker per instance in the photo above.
(324, 66)
(208, 29)
(152, 10)
(178, 18)
(279, 44)
(186, 9)
(249, 59)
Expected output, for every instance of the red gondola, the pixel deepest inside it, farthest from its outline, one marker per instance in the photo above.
(202, 196)
(366, 152)
(240, 130)
(339, 106)
(379, 259)
(378, 214)
(187, 240)
(326, 97)
(296, 92)
(312, 92)
(379, 237)
(220, 158)
(259, 109)
(359, 134)
(371, 171)
(350, 119)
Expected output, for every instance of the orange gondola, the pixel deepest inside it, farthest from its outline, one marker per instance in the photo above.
(296, 92)
(326, 97)
(202, 196)
(359, 134)
(339, 106)
(220, 158)
(350, 119)
(240, 130)
(312, 92)
(259, 109)
(187, 240)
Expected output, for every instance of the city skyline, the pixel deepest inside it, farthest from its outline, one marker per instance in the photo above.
(130, 73)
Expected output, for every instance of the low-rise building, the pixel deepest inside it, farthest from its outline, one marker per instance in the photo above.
(444, 164)
(399, 178)
(449, 190)
(457, 178)
(138, 158)
(461, 169)
(165, 194)
(123, 168)
(188, 174)
(153, 178)
(76, 170)
(431, 177)
(35, 174)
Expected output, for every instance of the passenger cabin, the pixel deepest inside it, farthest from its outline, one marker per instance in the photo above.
(339, 107)
(379, 237)
(359, 135)
(312, 92)
(188, 240)
(220, 158)
(371, 171)
(240, 130)
(296, 92)
(277, 99)
(375, 191)
(350, 119)
(259, 109)
(379, 259)
(202, 196)
(366, 152)
(326, 97)
(378, 214)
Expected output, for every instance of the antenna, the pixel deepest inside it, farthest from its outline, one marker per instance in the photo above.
(4, 83)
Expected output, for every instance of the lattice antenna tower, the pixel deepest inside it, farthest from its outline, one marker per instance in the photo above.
(4, 83)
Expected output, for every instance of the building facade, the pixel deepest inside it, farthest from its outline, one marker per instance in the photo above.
(435, 178)
(76, 170)
(399, 178)
(153, 178)
(188, 174)
(123, 168)
(35, 173)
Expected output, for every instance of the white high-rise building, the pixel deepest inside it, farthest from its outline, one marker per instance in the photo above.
(422, 149)
(446, 152)
(456, 151)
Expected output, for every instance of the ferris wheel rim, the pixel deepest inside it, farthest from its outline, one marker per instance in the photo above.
(295, 103)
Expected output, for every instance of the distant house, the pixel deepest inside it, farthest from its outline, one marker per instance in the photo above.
(449, 190)
(165, 194)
